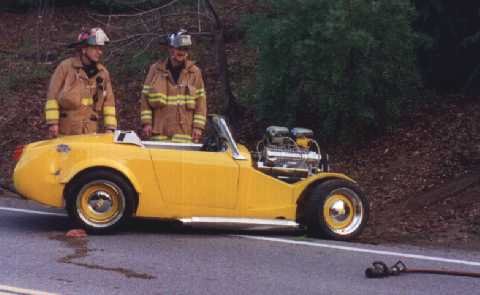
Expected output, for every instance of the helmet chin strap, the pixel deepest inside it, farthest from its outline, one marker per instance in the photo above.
(88, 59)
(89, 66)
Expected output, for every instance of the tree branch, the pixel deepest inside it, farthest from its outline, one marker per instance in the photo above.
(140, 13)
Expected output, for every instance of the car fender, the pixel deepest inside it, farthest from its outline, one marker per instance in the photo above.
(78, 167)
(303, 186)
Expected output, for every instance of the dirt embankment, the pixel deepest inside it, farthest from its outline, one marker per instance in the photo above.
(424, 179)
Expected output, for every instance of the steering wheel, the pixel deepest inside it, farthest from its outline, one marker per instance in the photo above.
(211, 143)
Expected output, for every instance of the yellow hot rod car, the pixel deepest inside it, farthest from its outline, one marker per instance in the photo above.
(104, 179)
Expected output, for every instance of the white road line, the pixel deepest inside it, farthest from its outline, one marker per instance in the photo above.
(13, 290)
(31, 211)
(363, 250)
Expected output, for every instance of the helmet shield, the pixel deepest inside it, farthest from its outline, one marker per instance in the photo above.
(180, 40)
(94, 37)
(97, 37)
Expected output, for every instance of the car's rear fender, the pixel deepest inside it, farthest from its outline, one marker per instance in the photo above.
(89, 165)
(68, 186)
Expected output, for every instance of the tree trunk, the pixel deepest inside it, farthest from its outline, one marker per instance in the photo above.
(230, 106)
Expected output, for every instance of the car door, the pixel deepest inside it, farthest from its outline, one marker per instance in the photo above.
(210, 179)
(196, 179)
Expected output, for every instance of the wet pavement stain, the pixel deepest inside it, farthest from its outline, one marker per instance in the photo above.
(81, 250)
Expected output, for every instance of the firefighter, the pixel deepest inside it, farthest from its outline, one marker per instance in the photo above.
(80, 91)
(173, 101)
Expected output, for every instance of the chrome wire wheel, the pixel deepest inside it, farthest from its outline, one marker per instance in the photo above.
(343, 211)
(100, 203)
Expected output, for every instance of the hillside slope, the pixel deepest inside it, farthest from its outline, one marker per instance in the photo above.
(423, 178)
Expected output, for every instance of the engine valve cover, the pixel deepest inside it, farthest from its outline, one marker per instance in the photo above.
(302, 132)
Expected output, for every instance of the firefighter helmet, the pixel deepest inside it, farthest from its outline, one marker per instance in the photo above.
(93, 37)
(180, 39)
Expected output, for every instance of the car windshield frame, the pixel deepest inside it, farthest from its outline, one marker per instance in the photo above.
(224, 132)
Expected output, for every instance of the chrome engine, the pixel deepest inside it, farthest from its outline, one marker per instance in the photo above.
(289, 155)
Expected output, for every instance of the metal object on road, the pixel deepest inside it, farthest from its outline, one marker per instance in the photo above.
(380, 270)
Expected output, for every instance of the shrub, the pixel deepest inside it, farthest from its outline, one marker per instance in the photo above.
(344, 67)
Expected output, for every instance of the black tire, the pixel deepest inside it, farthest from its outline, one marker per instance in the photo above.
(100, 200)
(336, 209)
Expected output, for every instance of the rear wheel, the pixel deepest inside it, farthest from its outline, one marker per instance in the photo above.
(336, 209)
(100, 200)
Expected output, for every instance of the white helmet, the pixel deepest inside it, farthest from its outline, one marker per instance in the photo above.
(180, 39)
(95, 37)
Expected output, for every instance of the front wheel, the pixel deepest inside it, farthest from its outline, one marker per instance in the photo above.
(336, 209)
(100, 201)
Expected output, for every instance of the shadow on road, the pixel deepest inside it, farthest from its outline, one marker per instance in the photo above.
(23, 222)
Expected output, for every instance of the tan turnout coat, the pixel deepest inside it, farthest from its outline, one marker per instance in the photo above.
(173, 109)
(77, 103)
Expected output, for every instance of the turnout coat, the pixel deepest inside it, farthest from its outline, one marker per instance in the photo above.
(173, 109)
(77, 103)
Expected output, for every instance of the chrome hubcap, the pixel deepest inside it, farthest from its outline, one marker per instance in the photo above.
(339, 211)
(100, 202)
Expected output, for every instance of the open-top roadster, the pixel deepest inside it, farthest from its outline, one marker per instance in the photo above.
(103, 179)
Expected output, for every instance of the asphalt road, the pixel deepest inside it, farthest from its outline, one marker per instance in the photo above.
(150, 257)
